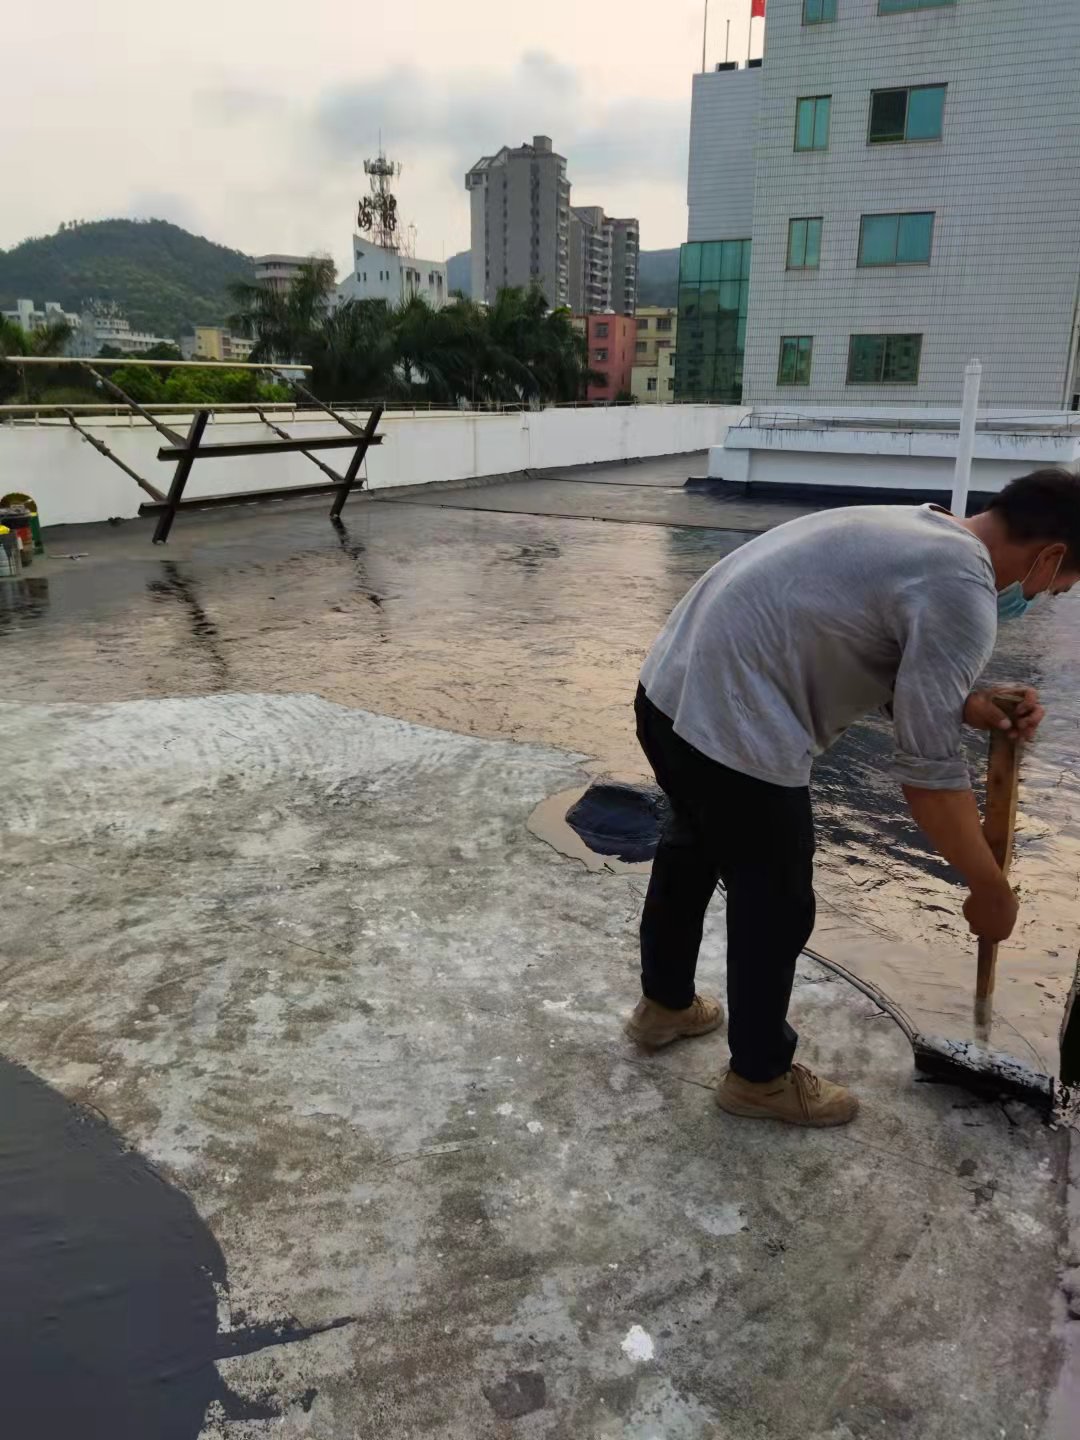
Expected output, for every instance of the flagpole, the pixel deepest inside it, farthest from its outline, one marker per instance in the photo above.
(704, 36)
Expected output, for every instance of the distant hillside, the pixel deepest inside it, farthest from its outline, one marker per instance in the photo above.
(164, 279)
(658, 276)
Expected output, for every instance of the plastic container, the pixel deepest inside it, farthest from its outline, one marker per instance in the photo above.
(10, 554)
(17, 499)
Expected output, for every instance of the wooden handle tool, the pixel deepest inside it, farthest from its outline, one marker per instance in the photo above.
(999, 822)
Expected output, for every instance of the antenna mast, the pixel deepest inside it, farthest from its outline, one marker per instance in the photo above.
(378, 211)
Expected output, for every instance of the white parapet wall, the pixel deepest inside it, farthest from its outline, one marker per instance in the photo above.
(72, 483)
(891, 452)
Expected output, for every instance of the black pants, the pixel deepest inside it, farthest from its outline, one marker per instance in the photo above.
(758, 839)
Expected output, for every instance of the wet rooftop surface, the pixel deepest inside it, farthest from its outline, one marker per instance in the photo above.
(511, 610)
(312, 963)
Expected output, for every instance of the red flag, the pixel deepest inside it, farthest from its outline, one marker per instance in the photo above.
(757, 8)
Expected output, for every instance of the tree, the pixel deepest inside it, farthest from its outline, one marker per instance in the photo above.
(284, 323)
(517, 351)
(31, 380)
(162, 351)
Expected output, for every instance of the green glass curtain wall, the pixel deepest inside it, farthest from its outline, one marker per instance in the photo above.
(714, 286)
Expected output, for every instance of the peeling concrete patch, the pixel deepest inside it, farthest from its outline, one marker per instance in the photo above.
(637, 1344)
(519, 1394)
(724, 1219)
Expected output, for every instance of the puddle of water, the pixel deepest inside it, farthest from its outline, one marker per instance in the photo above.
(548, 823)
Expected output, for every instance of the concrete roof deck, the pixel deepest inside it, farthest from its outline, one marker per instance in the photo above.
(310, 961)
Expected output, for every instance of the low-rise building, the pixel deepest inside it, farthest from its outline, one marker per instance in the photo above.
(654, 384)
(215, 342)
(610, 339)
(657, 327)
(105, 325)
(381, 273)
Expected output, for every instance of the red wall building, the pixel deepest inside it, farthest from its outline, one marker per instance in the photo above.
(612, 345)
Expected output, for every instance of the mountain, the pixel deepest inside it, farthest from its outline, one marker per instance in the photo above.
(165, 279)
(658, 276)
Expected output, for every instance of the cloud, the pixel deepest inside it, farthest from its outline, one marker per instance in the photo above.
(236, 104)
(466, 114)
(144, 204)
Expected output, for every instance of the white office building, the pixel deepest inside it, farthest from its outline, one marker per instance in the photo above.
(380, 273)
(277, 272)
(108, 326)
(27, 315)
(915, 203)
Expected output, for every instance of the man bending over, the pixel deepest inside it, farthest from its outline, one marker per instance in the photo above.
(760, 668)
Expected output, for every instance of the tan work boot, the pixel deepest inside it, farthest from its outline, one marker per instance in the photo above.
(653, 1026)
(800, 1098)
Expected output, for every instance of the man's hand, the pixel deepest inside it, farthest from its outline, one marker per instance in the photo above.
(981, 713)
(991, 910)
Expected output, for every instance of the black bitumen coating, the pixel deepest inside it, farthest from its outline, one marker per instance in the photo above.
(109, 1285)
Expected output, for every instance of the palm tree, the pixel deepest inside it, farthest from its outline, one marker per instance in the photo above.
(32, 380)
(515, 351)
(283, 322)
(354, 352)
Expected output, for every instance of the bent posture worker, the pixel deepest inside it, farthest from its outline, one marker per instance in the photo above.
(761, 667)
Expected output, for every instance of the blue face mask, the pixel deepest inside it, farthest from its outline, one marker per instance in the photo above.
(1012, 602)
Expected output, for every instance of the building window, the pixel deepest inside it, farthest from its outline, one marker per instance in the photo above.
(651, 382)
(643, 324)
(896, 239)
(663, 344)
(601, 332)
(641, 347)
(897, 7)
(795, 356)
(884, 359)
(670, 383)
(908, 115)
(663, 323)
(804, 243)
(818, 12)
(812, 122)
(599, 354)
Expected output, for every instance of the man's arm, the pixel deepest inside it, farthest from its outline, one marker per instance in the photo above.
(950, 821)
(946, 637)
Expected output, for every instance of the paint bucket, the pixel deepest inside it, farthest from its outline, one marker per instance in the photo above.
(17, 519)
(10, 554)
(27, 502)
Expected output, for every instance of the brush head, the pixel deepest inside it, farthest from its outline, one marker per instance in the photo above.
(990, 1073)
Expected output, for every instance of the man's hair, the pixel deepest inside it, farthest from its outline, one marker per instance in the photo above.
(1044, 505)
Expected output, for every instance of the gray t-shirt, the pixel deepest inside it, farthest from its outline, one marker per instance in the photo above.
(809, 627)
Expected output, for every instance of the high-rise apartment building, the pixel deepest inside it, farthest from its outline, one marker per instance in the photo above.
(903, 176)
(625, 250)
(603, 262)
(590, 260)
(520, 217)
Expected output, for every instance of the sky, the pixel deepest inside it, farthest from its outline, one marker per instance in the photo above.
(248, 121)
